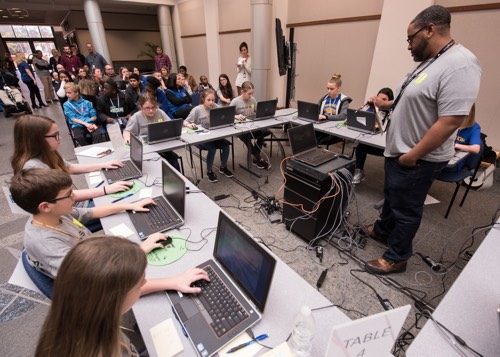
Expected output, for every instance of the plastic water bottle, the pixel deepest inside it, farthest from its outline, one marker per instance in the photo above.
(303, 333)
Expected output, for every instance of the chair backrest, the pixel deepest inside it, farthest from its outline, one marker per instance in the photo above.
(42, 281)
(195, 99)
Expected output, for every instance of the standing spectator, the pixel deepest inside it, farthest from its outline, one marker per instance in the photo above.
(42, 68)
(55, 59)
(420, 139)
(94, 59)
(162, 59)
(28, 77)
(9, 64)
(70, 62)
(76, 52)
(243, 67)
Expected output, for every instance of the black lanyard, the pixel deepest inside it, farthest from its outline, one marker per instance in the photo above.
(414, 75)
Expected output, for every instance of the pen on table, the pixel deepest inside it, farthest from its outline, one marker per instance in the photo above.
(122, 198)
(239, 347)
(100, 183)
(182, 327)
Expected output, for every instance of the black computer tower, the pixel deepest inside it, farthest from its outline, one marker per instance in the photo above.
(307, 185)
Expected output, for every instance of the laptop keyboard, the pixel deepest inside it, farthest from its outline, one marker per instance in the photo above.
(161, 215)
(127, 170)
(223, 309)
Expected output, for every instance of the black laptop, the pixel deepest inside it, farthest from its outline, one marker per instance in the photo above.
(266, 109)
(304, 147)
(164, 131)
(363, 121)
(221, 117)
(168, 213)
(132, 168)
(240, 277)
(308, 111)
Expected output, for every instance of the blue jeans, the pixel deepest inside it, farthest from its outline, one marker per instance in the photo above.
(259, 136)
(405, 189)
(211, 147)
(42, 281)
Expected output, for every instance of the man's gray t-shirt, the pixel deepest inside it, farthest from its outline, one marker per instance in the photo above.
(138, 123)
(448, 87)
(47, 247)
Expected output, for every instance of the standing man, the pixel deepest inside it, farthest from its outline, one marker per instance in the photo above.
(70, 62)
(94, 59)
(42, 68)
(432, 103)
(162, 59)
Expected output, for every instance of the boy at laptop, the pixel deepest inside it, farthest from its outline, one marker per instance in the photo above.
(55, 227)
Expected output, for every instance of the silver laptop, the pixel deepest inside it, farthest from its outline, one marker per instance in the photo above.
(164, 131)
(132, 168)
(308, 111)
(168, 213)
(305, 148)
(371, 336)
(362, 121)
(243, 270)
(221, 117)
(122, 151)
(266, 109)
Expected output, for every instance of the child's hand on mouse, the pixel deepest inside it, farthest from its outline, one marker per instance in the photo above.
(119, 186)
(154, 241)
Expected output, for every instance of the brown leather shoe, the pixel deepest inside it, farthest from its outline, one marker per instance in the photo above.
(368, 231)
(381, 266)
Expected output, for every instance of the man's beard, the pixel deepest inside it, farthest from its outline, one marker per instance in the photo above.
(418, 52)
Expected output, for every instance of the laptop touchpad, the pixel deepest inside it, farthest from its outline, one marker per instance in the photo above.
(186, 310)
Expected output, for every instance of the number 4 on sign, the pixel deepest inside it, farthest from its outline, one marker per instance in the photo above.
(361, 353)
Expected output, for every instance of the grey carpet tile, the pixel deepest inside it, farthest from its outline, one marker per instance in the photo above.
(17, 307)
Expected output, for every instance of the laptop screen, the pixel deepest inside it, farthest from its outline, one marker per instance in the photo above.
(308, 110)
(266, 108)
(136, 151)
(222, 116)
(246, 261)
(174, 188)
(302, 138)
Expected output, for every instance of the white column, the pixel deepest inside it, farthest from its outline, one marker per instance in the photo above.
(96, 28)
(262, 34)
(177, 38)
(391, 58)
(167, 34)
(211, 9)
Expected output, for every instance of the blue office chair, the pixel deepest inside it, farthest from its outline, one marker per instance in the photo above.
(473, 163)
(42, 281)
(195, 99)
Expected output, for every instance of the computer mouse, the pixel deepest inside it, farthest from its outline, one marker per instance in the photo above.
(194, 127)
(166, 241)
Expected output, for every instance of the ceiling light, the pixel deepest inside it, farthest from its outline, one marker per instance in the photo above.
(18, 11)
(5, 17)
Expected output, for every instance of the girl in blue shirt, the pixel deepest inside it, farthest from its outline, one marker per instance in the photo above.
(28, 77)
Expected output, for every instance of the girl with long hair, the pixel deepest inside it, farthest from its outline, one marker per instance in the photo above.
(179, 100)
(199, 117)
(28, 78)
(36, 143)
(225, 91)
(95, 286)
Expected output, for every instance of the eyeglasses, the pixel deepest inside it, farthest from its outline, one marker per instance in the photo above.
(62, 198)
(411, 37)
(56, 136)
(149, 108)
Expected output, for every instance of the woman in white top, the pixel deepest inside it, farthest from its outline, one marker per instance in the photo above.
(244, 67)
